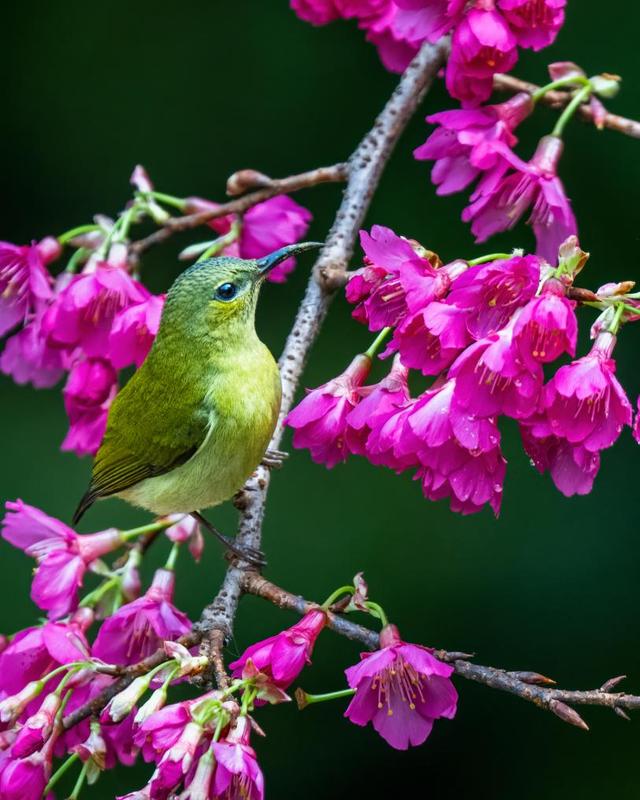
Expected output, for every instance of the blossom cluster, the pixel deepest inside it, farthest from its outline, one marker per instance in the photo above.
(200, 746)
(95, 317)
(484, 333)
(486, 34)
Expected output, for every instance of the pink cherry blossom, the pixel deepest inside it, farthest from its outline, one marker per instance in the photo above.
(37, 728)
(34, 652)
(493, 378)
(482, 45)
(636, 422)
(320, 419)
(401, 689)
(162, 729)
(27, 357)
(572, 467)
(138, 629)
(198, 784)
(535, 23)
(88, 394)
(238, 775)
(83, 312)
(317, 12)
(534, 184)
(467, 143)
(547, 325)
(431, 339)
(133, 331)
(490, 293)
(62, 555)
(25, 284)
(176, 761)
(26, 778)
(378, 403)
(394, 50)
(282, 657)
(426, 20)
(186, 529)
(584, 402)
(391, 444)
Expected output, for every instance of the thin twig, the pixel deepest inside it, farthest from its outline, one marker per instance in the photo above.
(559, 99)
(336, 173)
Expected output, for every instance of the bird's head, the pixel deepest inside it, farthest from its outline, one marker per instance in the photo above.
(221, 293)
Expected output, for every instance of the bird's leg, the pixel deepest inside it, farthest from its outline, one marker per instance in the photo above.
(248, 554)
(273, 459)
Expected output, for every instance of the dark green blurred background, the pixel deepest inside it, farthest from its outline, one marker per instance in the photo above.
(198, 90)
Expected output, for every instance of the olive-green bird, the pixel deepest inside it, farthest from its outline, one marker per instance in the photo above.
(194, 421)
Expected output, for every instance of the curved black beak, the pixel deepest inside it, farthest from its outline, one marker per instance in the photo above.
(267, 263)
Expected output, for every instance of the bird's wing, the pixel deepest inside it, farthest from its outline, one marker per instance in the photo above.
(146, 436)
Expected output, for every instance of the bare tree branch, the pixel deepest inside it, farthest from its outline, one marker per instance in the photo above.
(559, 99)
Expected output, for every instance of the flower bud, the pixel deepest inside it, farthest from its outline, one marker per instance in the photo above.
(606, 85)
(246, 179)
(122, 704)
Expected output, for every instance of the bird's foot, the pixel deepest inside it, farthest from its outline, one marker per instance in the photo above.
(249, 554)
(274, 459)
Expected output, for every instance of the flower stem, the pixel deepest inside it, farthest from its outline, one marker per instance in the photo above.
(335, 595)
(320, 698)
(173, 556)
(222, 242)
(486, 259)
(76, 258)
(571, 109)
(617, 320)
(78, 231)
(377, 611)
(60, 772)
(99, 592)
(79, 783)
(377, 343)
(559, 84)
(169, 200)
(152, 527)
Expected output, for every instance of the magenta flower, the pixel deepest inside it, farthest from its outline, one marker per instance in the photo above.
(378, 403)
(636, 422)
(282, 657)
(401, 689)
(470, 142)
(535, 23)
(320, 419)
(162, 729)
(426, 20)
(264, 228)
(238, 775)
(62, 555)
(584, 402)
(176, 762)
(490, 293)
(198, 784)
(392, 444)
(27, 357)
(88, 394)
(133, 331)
(547, 325)
(534, 185)
(139, 628)
(25, 284)
(37, 729)
(433, 338)
(573, 468)
(317, 12)
(493, 378)
(186, 529)
(34, 652)
(82, 314)
(26, 778)
(482, 45)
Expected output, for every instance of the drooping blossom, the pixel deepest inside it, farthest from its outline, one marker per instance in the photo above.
(176, 761)
(584, 402)
(377, 404)
(390, 443)
(468, 143)
(82, 314)
(88, 394)
(28, 358)
(535, 23)
(459, 453)
(547, 325)
(418, 21)
(34, 652)
(133, 331)
(162, 729)
(317, 12)
(319, 420)
(401, 689)
(37, 728)
(536, 185)
(25, 284)
(636, 422)
(282, 657)
(265, 227)
(490, 293)
(238, 775)
(138, 629)
(482, 45)
(572, 467)
(198, 784)
(62, 555)
(26, 778)
(186, 528)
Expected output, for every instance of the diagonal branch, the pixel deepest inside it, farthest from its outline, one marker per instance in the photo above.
(559, 99)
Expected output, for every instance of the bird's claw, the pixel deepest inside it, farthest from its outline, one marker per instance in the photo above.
(274, 459)
(251, 555)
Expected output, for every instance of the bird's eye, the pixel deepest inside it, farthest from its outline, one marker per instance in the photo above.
(226, 291)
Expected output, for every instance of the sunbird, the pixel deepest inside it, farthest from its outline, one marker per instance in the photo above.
(194, 421)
